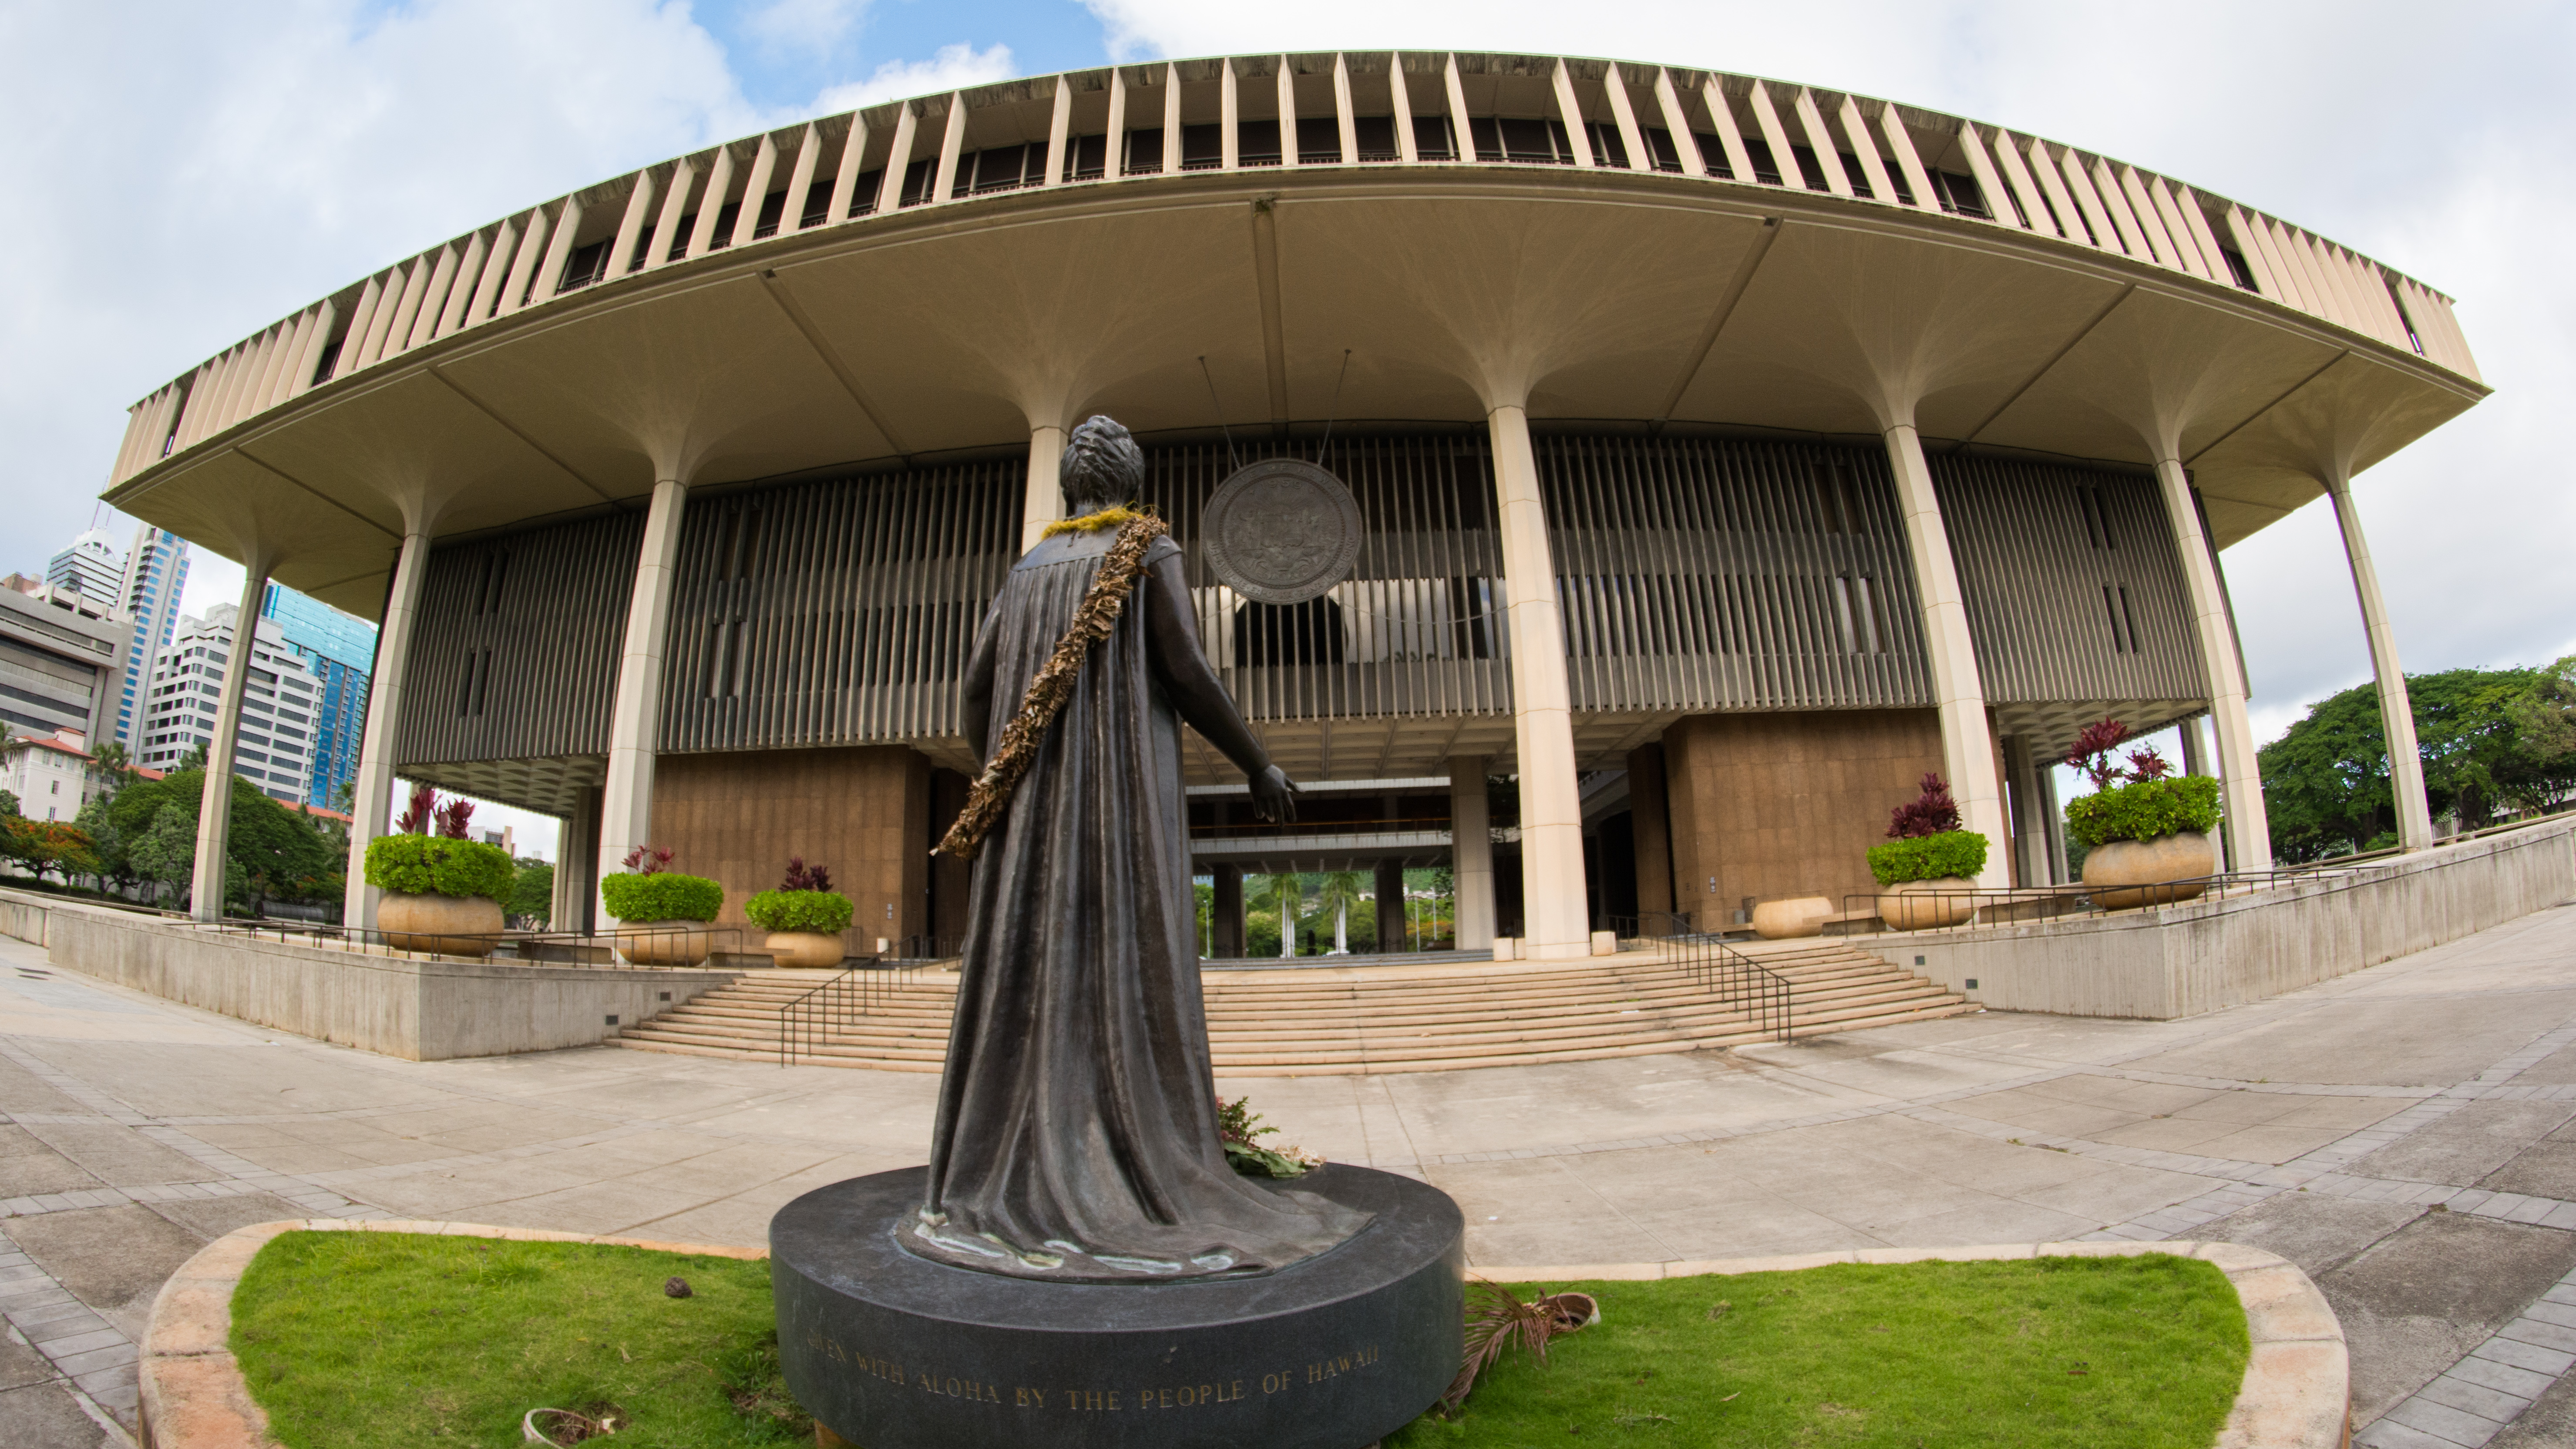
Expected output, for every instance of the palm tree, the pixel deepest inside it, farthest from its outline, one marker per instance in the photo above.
(1341, 890)
(113, 766)
(1287, 893)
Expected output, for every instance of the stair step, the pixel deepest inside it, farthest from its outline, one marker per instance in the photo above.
(1355, 1020)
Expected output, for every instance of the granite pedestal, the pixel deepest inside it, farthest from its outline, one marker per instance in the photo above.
(893, 1351)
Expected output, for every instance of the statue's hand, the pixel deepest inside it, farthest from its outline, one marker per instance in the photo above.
(1274, 796)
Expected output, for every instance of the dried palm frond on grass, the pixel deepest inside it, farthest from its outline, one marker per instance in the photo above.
(1498, 1318)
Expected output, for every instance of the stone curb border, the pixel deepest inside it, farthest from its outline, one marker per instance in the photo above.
(2297, 1392)
(193, 1394)
(2298, 1380)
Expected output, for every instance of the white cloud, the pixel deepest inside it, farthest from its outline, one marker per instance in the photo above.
(813, 25)
(952, 68)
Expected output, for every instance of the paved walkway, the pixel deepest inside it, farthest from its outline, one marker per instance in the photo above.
(2404, 1134)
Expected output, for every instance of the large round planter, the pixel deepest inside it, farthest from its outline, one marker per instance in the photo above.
(1797, 916)
(664, 943)
(805, 949)
(1928, 905)
(447, 925)
(2120, 874)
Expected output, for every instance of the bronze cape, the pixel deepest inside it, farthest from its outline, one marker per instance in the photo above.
(1076, 1137)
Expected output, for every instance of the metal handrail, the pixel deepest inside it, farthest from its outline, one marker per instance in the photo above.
(1987, 907)
(856, 990)
(1735, 979)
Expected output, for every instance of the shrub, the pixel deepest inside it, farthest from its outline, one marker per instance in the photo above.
(2144, 810)
(825, 913)
(661, 896)
(423, 865)
(1959, 853)
(1930, 813)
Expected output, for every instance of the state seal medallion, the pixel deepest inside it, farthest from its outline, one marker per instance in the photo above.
(1281, 531)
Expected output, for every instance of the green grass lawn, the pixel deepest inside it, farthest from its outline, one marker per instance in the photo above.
(2086, 1353)
(351, 1339)
(368, 1339)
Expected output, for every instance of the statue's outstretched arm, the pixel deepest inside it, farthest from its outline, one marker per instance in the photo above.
(1200, 696)
(975, 692)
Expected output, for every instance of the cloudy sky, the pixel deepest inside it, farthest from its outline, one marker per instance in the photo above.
(183, 174)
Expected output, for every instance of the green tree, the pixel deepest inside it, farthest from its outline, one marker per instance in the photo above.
(108, 845)
(1283, 895)
(276, 851)
(532, 893)
(113, 766)
(166, 851)
(8, 806)
(2544, 727)
(1336, 895)
(2487, 739)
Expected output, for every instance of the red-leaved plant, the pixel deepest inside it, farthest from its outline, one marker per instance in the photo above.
(1930, 813)
(453, 816)
(417, 814)
(648, 859)
(803, 877)
(2092, 752)
(2146, 764)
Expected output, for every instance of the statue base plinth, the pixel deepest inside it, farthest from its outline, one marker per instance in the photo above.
(893, 1351)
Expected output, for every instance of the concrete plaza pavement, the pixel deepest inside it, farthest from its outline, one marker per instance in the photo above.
(2403, 1134)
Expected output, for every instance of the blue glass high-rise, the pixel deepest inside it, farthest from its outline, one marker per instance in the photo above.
(341, 652)
(156, 574)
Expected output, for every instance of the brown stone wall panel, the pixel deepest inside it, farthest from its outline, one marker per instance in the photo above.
(738, 816)
(1779, 805)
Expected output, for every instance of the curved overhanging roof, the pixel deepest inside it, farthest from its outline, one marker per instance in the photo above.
(792, 302)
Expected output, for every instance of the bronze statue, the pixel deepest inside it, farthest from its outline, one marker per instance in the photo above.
(1077, 1131)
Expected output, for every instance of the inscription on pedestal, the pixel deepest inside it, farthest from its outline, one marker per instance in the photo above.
(977, 1388)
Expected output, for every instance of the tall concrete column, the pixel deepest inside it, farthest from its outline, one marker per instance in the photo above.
(371, 809)
(215, 804)
(2396, 711)
(2247, 827)
(1650, 822)
(2030, 832)
(1043, 503)
(1471, 853)
(1555, 914)
(634, 720)
(1967, 740)
(2054, 818)
(2195, 750)
(1226, 925)
(1390, 906)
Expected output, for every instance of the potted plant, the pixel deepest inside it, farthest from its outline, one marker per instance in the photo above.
(443, 892)
(804, 917)
(2145, 828)
(1928, 865)
(654, 906)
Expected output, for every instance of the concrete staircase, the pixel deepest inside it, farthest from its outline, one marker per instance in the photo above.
(1346, 1021)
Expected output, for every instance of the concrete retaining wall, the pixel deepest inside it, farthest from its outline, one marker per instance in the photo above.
(2175, 961)
(416, 1008)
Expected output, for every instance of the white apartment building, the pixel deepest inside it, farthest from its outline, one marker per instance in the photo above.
(49, 774)
(275, 748)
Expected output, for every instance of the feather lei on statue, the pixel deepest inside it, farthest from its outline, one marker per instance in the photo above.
(1092, 621)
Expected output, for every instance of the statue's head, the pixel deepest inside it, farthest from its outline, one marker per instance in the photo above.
(1103, 467)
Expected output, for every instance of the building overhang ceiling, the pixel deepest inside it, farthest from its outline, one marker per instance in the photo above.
(1422, 294)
